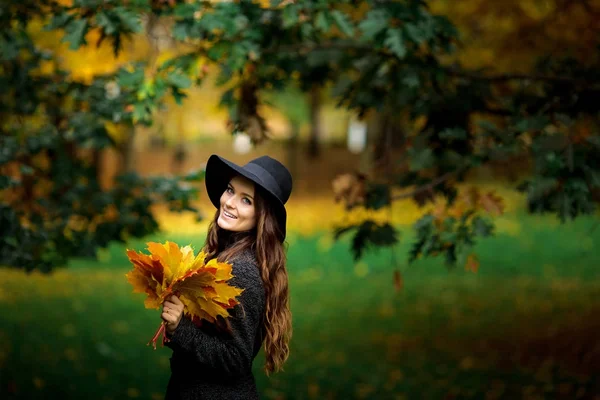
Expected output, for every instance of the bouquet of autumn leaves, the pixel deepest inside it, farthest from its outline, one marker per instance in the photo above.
(170, 269)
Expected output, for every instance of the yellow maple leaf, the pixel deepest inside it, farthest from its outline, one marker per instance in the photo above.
(202, 287)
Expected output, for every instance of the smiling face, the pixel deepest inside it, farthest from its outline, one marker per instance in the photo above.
(237, 212)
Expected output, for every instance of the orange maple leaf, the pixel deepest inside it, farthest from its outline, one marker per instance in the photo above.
(170, 269)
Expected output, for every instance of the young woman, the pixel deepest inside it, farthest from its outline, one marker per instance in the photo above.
(249, 228)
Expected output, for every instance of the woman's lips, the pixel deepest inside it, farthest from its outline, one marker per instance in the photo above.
(229, 215)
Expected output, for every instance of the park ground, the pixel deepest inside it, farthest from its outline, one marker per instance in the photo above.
(524, 326)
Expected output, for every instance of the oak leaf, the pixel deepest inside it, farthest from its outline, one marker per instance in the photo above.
(201, 286)
(472, 264)
(351, 188)
(492, 203)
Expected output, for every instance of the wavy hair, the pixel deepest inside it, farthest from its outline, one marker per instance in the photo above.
(265, 241)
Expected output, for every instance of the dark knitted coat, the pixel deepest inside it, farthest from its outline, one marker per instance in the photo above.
(207, 364)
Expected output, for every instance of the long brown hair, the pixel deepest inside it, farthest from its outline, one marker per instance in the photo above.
(265, 241)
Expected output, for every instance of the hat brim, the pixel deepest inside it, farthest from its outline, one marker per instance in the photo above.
(219, 172)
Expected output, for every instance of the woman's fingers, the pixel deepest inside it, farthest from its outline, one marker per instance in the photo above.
(172, 312)
(168, 304)
(172, 318)
(176, 310)
(168, 317)
(176, 300)
(174, 306)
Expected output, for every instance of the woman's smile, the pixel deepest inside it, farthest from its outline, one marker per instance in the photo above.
(229, 215)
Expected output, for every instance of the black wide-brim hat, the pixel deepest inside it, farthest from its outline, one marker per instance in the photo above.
(264, 171)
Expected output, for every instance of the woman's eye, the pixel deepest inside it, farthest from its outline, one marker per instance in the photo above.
(229, 190)
(247, 201)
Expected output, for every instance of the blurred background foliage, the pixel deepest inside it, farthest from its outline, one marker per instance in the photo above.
(413, 129)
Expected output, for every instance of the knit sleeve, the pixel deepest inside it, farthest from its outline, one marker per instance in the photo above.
(229, 354)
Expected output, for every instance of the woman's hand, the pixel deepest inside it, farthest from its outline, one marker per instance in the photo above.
(172, 313)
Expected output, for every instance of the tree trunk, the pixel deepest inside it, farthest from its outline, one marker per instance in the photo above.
(126, 152)
(293, 148)
(315, 122)
(97, 165)
(385, 135)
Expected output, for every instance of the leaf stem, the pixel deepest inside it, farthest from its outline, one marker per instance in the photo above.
(161, 330)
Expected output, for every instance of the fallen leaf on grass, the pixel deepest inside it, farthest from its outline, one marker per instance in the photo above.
(398, 281)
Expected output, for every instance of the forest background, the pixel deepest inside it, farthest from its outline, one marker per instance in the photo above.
(443, 222)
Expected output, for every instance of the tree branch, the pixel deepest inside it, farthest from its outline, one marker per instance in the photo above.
(435, 182)
(303, 48)
(517, 77)
(452, 71)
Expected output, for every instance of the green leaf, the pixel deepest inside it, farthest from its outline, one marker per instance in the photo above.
(451, 256)
(307, 30)
(482, 227)
(395, 42)
(342, 85)
(594, 140)
(488, 126)
(238, 56)
(179, 80)
(417, 33)
(131, 79)
(540, 187)
(411, 79)
(453, 134)
(130, 21)
(26, 170)
(565, 206)
(9, 50)
(594, 178)
(186, 9)
(370, 234)
(415, 250)
(340, 231)
(178, 96)
(181, 30)
(322, 21)
(228, 98)
(75, 33)
(374, 23)
(564, 119)
(318, 58)
(195, 176)
(289, 16)
(12, 241)
(377, 196)
(217, 51)
(140, 113)
(343, 22)
(532, 124)
(448, 237)
(58, 20)
(421, 159)
(103, 20)
(384, 235)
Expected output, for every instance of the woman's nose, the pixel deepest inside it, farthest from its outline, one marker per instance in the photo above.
(230, 202)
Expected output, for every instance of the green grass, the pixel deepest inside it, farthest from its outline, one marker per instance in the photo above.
(524, 326)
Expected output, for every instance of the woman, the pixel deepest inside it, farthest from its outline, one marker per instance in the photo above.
(248, 230)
